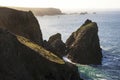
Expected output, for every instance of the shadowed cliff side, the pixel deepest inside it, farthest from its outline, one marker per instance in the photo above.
(22, 23)
(45, 53)
(21, 59)
(56, 45)
(83, 44)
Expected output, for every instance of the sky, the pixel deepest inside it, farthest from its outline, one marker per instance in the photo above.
(64, 4)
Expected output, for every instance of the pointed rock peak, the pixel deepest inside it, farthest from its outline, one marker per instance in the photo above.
(58, 35)
(83, 45)
(54, 37)
(57, 45)
(87, 22)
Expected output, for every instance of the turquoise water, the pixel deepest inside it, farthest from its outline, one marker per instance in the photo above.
(92, 73)
(109, 33)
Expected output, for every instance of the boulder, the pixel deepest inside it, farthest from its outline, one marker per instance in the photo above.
(22, 23)
(83, 45)
(21, 59)
(56, 45)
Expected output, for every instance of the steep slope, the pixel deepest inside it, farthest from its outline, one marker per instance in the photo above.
(22, 23)
(45, 53)
(83, 44)
(57, 44)
(21, 59)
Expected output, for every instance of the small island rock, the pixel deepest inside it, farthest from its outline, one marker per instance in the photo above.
(83, 45)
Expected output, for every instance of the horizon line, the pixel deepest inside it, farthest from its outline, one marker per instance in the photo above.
(70, 9)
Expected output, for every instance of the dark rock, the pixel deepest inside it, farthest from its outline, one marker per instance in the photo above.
(57, 45)
(19, 62)
(87, 22)
(84, 45)
(21, 23)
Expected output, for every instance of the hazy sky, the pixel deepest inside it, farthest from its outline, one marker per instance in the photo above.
(64, 4)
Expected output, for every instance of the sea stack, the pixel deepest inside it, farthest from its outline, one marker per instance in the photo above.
(83, 45)
(57, 44)
(21, 23)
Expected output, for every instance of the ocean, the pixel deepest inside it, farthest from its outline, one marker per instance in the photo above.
(109, 35)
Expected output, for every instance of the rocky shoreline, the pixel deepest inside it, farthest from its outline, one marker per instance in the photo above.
(26, 56)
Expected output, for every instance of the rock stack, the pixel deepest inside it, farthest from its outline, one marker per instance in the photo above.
(56, 42)
(83, 45)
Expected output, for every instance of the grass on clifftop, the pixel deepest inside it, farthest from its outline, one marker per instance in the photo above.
(43, 52)
(88, 26)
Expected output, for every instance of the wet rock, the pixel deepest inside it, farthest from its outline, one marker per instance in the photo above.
(83, 45)
(21, 23)
(19, 62)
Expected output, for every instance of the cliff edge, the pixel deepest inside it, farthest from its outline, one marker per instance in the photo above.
(22, 59)
(22, 23)
(41, 11)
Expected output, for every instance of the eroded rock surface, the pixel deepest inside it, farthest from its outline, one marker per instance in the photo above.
(83, 45)
(21, 62)
(22, 23)
(59, 46)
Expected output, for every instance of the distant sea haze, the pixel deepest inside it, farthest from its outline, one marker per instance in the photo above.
(41, 11)
(109, 30)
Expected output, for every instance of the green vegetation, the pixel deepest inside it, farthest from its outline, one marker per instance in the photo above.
(85, 27)
(43, 52)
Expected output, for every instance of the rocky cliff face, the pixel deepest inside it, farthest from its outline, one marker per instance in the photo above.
(57, 44)
(19, 61)
(21, 23)
(83, 44)
(21, 56)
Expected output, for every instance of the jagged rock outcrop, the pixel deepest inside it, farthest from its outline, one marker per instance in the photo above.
(83, 44)
(18, 61)
(56, 45)
(22, 23)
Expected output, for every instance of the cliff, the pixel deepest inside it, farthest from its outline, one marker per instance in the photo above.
(22, 23)
(41, 11)
(22, 59)
(83, 45)
(22, 56)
